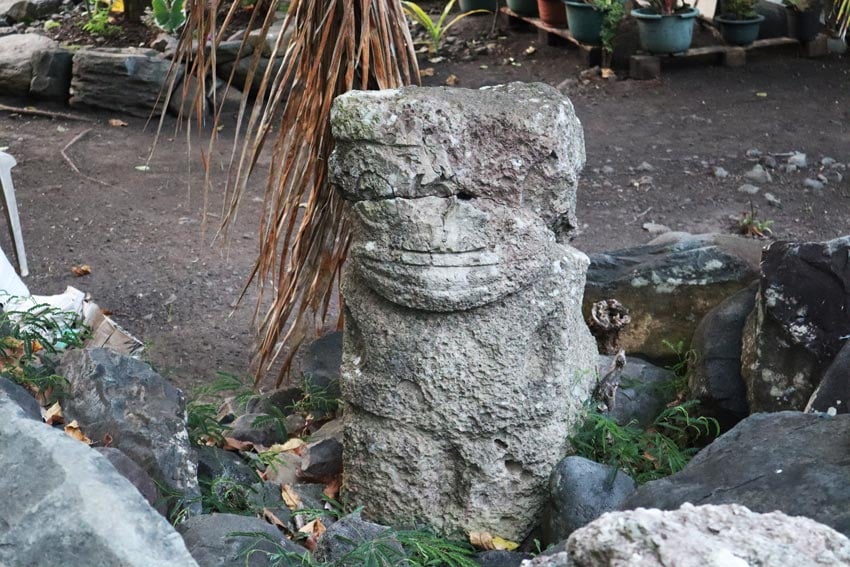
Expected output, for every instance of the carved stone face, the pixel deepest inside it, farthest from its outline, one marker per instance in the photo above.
(448, 212)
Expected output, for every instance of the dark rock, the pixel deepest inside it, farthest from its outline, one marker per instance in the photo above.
(267, 496)
(715, 378)
(282, 400)
(216, 463)
(644, 391)
(16, 55)
(580, 491)
(241, 68)
(21, 397)
(793, 462)
(833, 393)
(319, 364)
(51, 74)
(775, 22)
(64, 504)
(322, 457)
(26, 10)
(669, 284)
(259, 429)
(793, 334)
(284, 469)
(229, 51)
(127, 80)
(501, 558)
(117, 396)
(212, 542)
(349, 532)
(130, 470)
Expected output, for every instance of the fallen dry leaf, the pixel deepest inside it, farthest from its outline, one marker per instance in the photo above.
(81, 270)
(73, 429)
(290, 498)
(270, 517)
(316, 528)
(116, 122)
(427, 72)
(53, 414)
(231, 444)
(608, 73)
(332, 489)
(452, 80)
(486, 541)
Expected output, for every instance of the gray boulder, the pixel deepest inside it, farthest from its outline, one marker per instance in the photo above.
(501, 558)
(580, 491)
(65, 504)
(266, 496)
(322, 457)
(117, 396)
(17, 52)
(128, 468)
(213, 541)
(350, 532)
(240, 69)
(669, 284)
(319, 363)
(216, 463)
(833, 393)
(700, 536)
(466, 362)
(715, 378)
(795, 331)
(25, 10)
(259, 429)
(16, 393)
(644, 390)
(128, 80)
(51, 74)
(793, 462)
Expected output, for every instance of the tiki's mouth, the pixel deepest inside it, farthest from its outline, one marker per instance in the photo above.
(445, 254)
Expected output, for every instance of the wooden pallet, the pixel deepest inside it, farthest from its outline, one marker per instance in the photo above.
(548, 35)
(643, 66)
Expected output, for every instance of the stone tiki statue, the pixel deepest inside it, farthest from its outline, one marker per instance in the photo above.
(466, 360)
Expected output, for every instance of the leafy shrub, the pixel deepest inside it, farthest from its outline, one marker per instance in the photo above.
(169, 15)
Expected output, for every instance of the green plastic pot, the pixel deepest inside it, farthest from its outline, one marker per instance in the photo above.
(524, 7)
(739, 32)
(585, 22)
(467, 5)
(665, 34)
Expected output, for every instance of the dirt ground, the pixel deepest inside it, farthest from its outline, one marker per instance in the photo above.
(164, 280)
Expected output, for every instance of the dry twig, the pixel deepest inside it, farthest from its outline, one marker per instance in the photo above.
(44, 113)
(71, 163)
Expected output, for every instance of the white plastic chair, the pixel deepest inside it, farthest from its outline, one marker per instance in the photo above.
(7, 162)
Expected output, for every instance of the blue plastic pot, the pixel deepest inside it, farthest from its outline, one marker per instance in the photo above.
(739, 32)
(585, 22)
(524, 7)
(665, 34)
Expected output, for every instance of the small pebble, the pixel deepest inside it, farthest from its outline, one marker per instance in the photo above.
(772, 200)
(788, 168)
(798, 159)
(645, 167)
(748, 189)
(813, 184)
(607, 169)
(769, 162)
(753, 153)
(720, 173)
(655, 228)
(827, 161)
(758, 174)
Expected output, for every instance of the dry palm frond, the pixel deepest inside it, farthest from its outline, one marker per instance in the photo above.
(335, 46)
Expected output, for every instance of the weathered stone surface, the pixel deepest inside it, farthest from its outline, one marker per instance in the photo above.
(319, 363)
(145, 416)
(580, 491)
(241, 70)
(793, 462)
(466, 361)
(833, 393)
(65, 504)
(128, 468)
(266, 431)
(669, 284)
(16, 54)
(501, 558)
(21, 397)
(715, 377)
(23, 10)
(51, 74)
(322, 457)
(216, 463)
(349, 532)
(284, 470)
(211, 540)
(645, 389)
(793, 334)
(700, 536)
(123, 79)
(264, 496)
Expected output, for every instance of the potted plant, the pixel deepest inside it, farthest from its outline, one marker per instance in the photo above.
(470, 5)
(595, 22)
(553, 13)
(739, 23)
(665, 26)
(524, 7)
(805, 15)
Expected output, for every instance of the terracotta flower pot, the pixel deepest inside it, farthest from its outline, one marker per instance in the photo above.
(553, 13)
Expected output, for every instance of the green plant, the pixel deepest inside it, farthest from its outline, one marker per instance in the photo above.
(225, 496)
(436, 30)
(666, 7)
(739, 9)
(169, 15)
(272, 416)
(613, 12)
(662, 449)
(202, 411)
(393, 548)
(316, 399)
(685, 360)
(51, 25)
(839, 19)
(98, 23)
(751, 225)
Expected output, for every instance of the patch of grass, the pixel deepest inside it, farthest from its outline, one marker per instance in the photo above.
(316, 399)
(393, 548)
(202, 411)
(662, 449)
